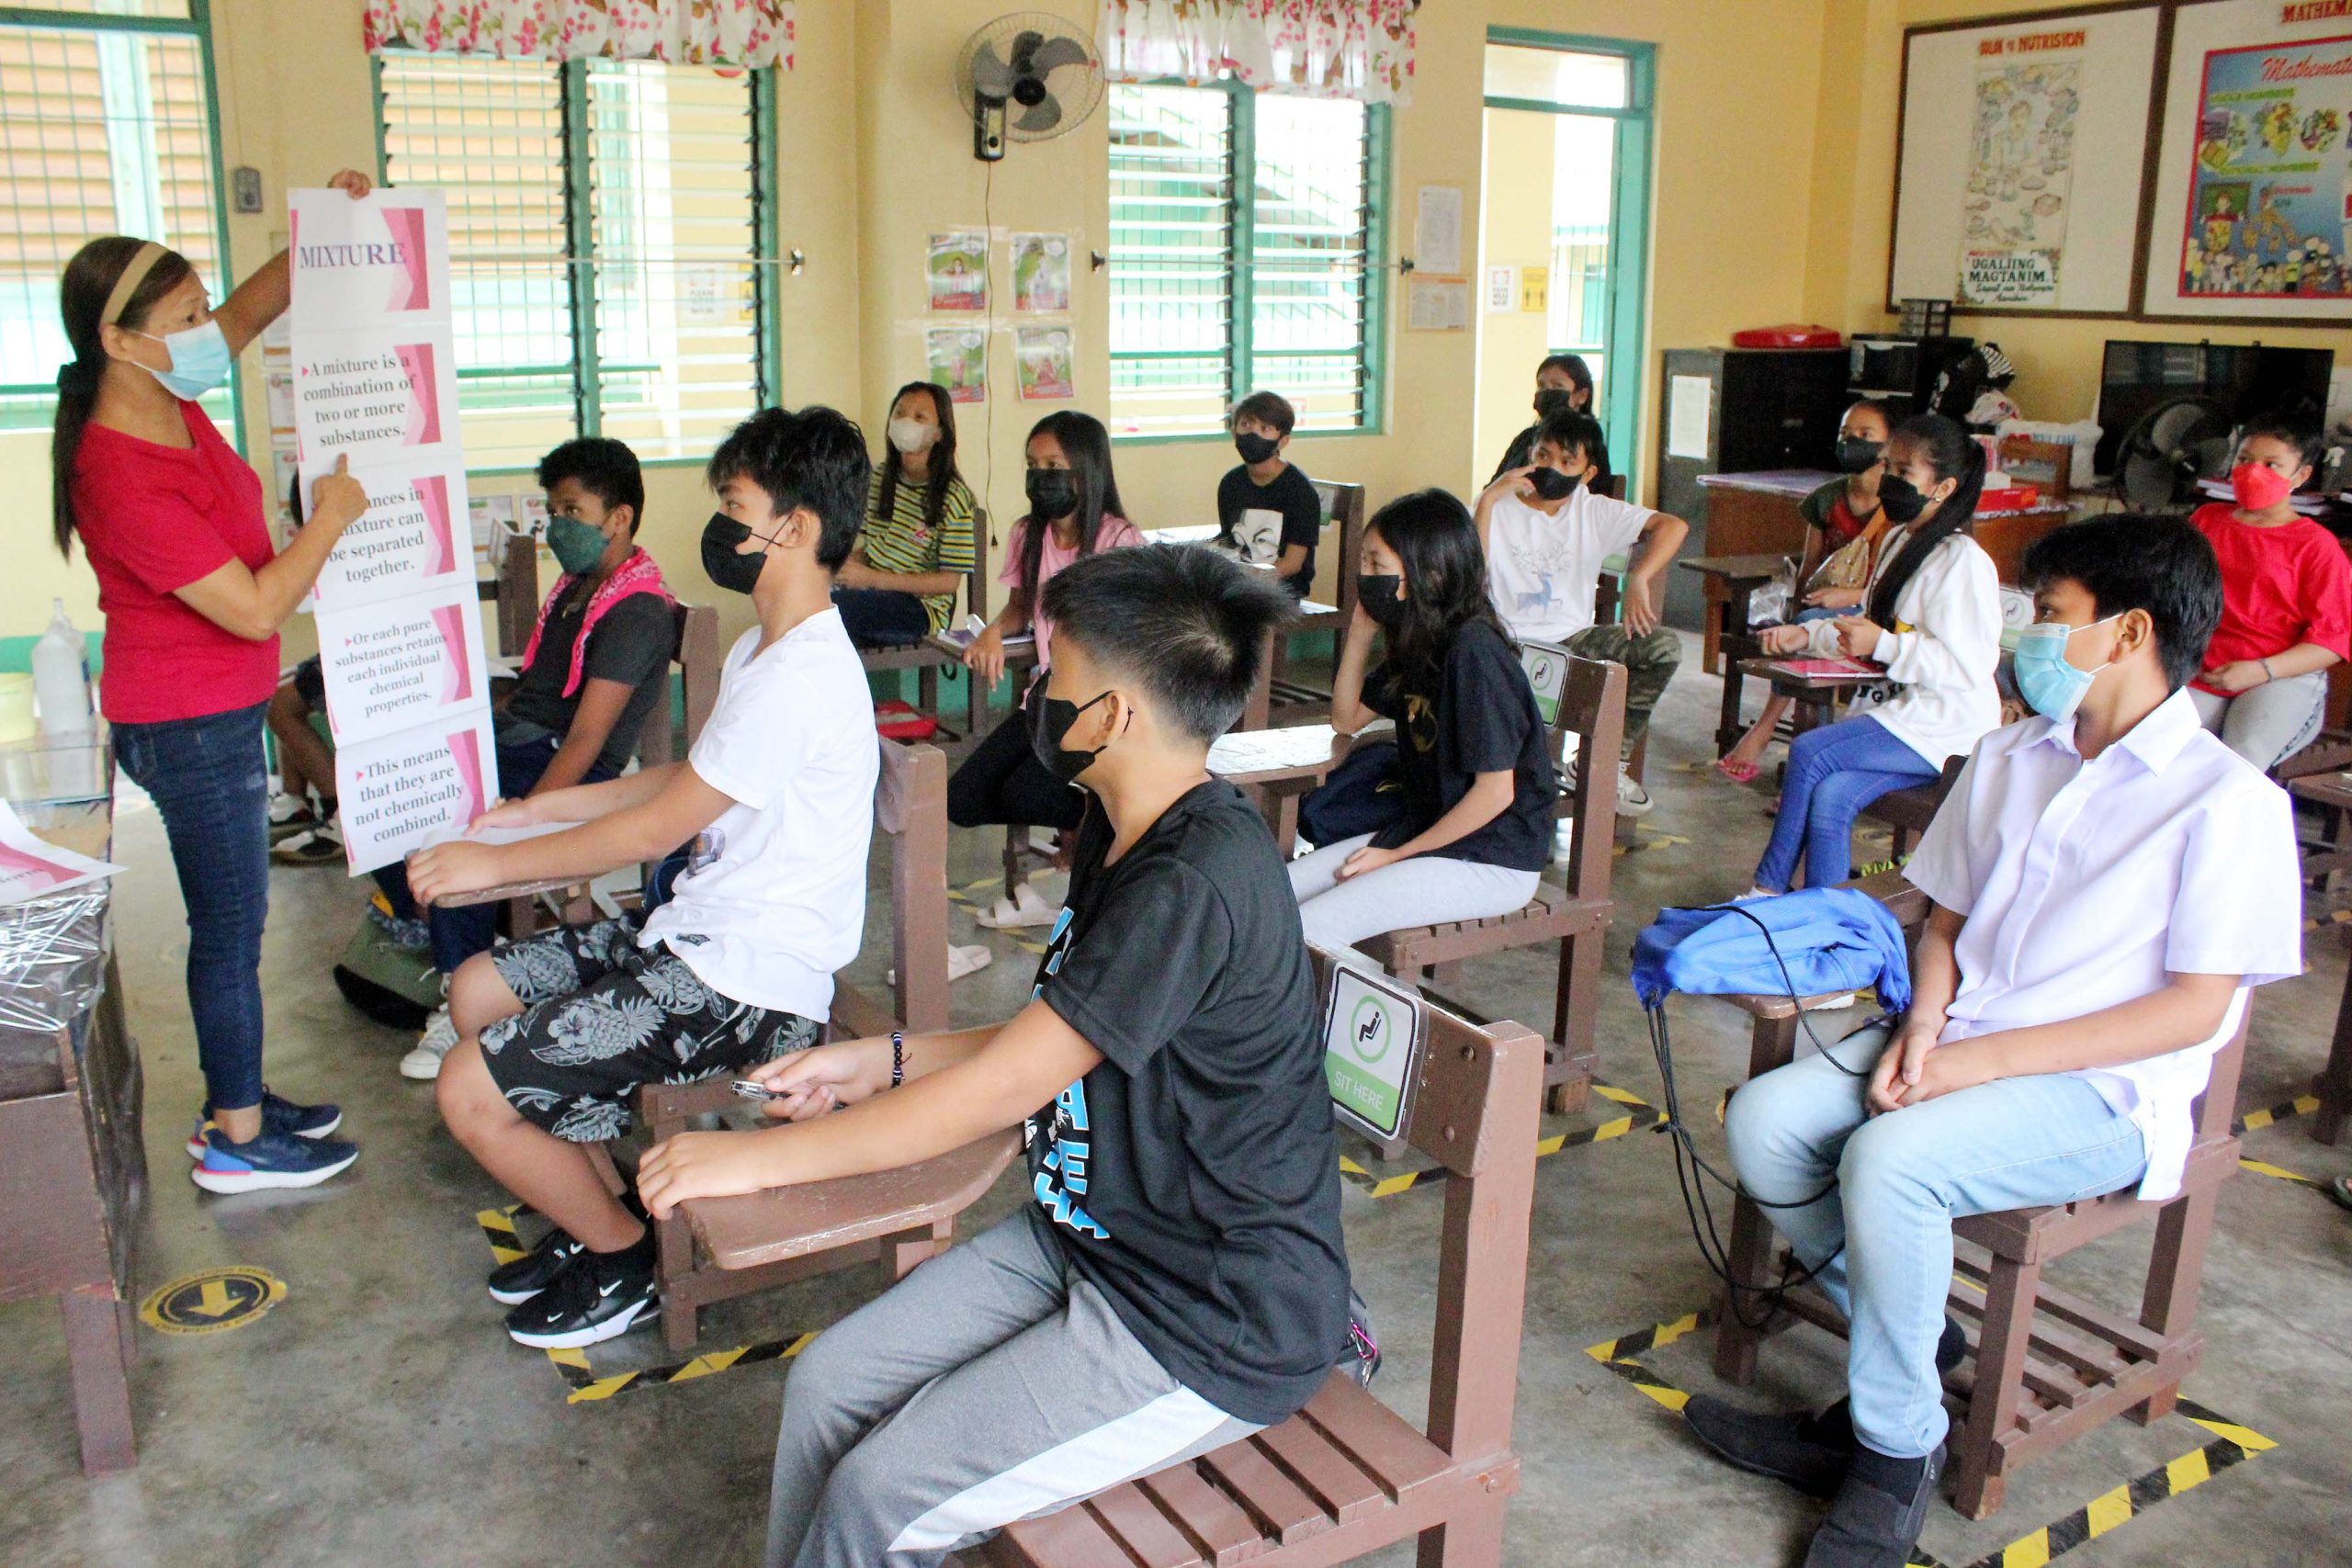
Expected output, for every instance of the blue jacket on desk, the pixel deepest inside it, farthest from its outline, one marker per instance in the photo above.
(1807, 944)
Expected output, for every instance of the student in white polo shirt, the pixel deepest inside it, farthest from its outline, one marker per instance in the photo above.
(1547, 533)
(2109, 880)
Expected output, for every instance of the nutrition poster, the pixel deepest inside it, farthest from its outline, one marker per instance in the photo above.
(1040, 359)
(373, 381)
(957, 270)
(1041, 274)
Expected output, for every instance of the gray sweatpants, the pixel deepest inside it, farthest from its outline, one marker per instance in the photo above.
(1421, 891)
(2269, 723)
(990, 1385)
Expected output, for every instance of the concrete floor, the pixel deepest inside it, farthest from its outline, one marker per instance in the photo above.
(378, 1414)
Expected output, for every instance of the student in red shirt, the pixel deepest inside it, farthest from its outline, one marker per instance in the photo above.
(193, 595)
(2286, 602)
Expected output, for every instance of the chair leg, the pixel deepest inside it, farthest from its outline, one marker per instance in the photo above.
(1576, 1006)
(901, 1253)
(1748, 1253)
(2336, 1081)
(1978, 1483)
(1472, 1538)
(927, 689)
(674, 1263)
(2176, 1275)
(96, 1351)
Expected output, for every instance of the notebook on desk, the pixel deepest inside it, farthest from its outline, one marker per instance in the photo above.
(1827, 668)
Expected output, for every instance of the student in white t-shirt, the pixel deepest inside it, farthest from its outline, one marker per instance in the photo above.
(1547, 534)
(558, 1031)
(2107, 882)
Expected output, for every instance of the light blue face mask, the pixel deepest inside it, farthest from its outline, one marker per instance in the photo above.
(2052, 686)
(200, 359)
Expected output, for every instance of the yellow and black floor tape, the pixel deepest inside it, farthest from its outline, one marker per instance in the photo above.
(2334, 918)
(586, 1384)
(2253, 1120)
(2231, 1444)
(1639, 1114)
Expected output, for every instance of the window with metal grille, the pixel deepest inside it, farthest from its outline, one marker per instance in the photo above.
(1243, 257)
(604, 234)
(106, 128)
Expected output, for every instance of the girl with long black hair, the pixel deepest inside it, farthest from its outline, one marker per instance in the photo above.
(1473, 756)
(898, 585)
(1933, 618)
(1074, 510)
(193, 594)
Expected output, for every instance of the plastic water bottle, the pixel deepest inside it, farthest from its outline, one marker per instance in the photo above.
(62, 677)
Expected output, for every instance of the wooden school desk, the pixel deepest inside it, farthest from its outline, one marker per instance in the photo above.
(1277, 767)
(75, 1175)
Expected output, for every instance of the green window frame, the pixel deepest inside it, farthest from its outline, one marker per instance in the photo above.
(1226, 273)
(108, 124)
(609, 256)
(1626, 335)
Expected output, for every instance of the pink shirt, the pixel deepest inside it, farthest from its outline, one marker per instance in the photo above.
(1115, 533)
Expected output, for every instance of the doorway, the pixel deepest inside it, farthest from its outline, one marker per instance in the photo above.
(1564, 230)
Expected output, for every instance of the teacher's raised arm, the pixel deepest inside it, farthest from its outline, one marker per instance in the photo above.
(174, 524)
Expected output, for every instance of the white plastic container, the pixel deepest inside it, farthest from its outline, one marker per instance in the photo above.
(62, 678)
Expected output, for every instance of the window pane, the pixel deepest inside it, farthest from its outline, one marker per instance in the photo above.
(1583, 185)
(166, 8)
(101, 132)
(1555, 76)
(1307, 302)
(489, 134)
(671, 170)
(1171, 259)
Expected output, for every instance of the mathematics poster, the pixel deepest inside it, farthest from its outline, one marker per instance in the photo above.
(373, 382)
(2023, 154)
(2254, 193)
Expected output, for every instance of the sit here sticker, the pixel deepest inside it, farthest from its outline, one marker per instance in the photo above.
(1370, 1047)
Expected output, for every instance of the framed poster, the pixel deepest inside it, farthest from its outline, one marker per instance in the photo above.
(2022, 161)
(2252, 213)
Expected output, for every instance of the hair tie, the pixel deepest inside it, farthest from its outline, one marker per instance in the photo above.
(78, 377)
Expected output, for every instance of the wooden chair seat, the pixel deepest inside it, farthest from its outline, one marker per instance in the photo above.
(1343, 1476)
(1908, 811)
(794, 1222)
(1551, 914)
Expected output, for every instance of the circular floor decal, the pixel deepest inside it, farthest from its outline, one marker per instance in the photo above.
(212, 1301)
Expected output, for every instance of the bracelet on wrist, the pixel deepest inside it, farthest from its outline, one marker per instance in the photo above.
(897, 1057)
(2268, 674)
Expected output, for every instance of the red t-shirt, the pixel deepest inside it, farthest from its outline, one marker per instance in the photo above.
(153, 520)
(2279, 587)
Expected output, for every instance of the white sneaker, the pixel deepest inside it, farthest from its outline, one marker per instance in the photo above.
(1564, 840)
(424, 1063)
(285, 808)
(1633, 800)
(1025, 908)
(961, 960)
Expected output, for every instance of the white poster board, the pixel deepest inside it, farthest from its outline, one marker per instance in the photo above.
(2024, 147)
(374, 381)
(2252, 213)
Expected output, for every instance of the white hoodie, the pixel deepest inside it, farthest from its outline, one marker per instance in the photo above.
(1940, 697)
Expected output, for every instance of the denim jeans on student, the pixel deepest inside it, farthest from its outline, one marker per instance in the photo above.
(211, 784)
(1835, 770)
(459, 934)
(1895, 1182)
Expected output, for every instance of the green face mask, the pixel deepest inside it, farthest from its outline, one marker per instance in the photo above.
(576, 546)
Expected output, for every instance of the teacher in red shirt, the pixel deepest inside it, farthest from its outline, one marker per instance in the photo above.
(173, 522)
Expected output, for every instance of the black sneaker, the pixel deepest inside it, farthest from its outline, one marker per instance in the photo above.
(1872, 1527)
(1811, 1453)
(511, 1284)
(597, 1296)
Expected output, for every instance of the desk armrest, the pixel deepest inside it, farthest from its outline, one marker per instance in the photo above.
(505, 890)
(1904, 902)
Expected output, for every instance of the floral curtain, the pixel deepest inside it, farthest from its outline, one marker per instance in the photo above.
(683, 32)
(1323, 48)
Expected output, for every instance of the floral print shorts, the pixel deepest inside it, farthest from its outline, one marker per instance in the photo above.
(602, 1016)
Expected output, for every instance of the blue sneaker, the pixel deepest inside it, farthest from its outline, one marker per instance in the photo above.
(276, 1116)
(273, 1160)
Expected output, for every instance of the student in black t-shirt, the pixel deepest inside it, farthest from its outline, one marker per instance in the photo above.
(594, 668)
(1289, 514)
(1471, 751)
(1563, 385)
(1180, 1279)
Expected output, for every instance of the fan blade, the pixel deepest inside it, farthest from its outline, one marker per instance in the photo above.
(1044, 117)
(1056, 52)
(1024, 44)
(991, 77)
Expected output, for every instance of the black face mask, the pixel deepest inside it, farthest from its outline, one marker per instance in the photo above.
(1253, 448)
(1049, 721)
(1381, 596)
(1551, 484)
(1053, 493)
(1900, 499)
(735, 573)
(1550, 401)
(1855, 456)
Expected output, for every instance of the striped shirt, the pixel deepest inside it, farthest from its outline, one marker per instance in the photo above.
(900, 542)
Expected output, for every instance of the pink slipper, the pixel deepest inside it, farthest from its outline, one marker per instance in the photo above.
(1737, 772)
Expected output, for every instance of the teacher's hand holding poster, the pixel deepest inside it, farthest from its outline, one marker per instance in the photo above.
(398, 618)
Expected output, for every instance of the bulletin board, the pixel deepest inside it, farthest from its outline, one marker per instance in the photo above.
(2022, 163)
(2252, 220)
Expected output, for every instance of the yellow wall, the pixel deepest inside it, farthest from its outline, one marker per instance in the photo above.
(1853, 178)
(1514, 231)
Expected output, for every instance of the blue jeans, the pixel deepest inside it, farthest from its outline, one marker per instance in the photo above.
(1896, 1182)
(210, 784)
(459, 934)
(1835, 770)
